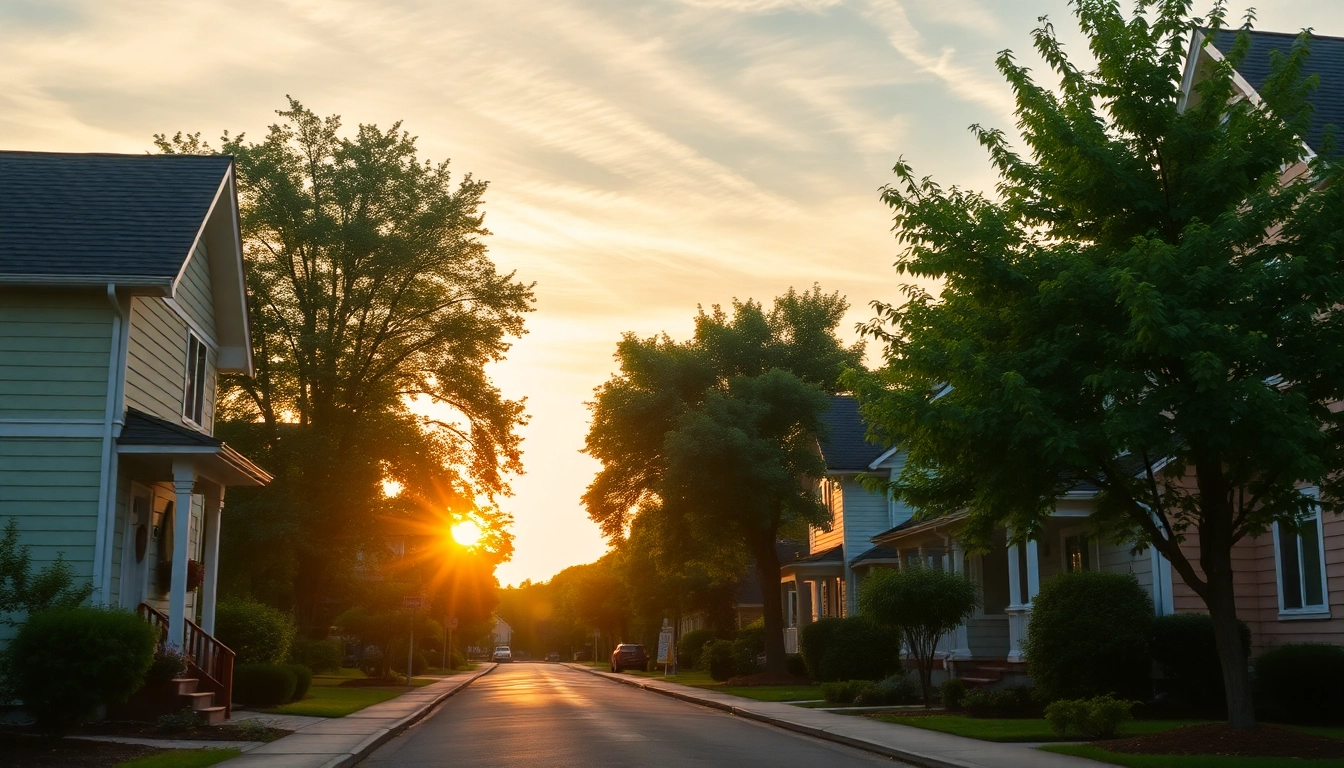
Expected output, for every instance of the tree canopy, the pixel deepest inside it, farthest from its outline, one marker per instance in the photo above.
(1148, 304)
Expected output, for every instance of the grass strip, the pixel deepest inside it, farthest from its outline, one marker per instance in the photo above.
(183, 758)
(1024, 729)
(1183, 761)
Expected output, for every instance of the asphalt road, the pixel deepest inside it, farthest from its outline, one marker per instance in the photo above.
(551, 716)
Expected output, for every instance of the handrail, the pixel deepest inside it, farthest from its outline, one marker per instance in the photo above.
(211, 660)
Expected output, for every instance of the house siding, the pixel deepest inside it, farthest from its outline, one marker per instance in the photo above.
(819, 540)
(156, 363)
(195, 292)
(54, 349)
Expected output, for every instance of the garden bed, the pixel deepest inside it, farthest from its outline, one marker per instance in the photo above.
(201, 733)
(1029, 729)
(29, 751)
(1222, 739)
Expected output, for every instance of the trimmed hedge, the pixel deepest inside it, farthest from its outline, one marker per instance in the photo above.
(1303, 682)
(860, 649)
(256, 632)
(1018, 701)
(1094, 718)
(748, 647)
(794, 665)
(398, 662)
(1184, 650)
(65, 662)
(317, 655)
(717, 658)
(813, 640)
(303, 680)
(1089, 636)
(953, 693)
(690, 645)
(264, 685)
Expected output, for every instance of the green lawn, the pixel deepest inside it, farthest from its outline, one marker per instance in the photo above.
(183, 758)
(327, 699)
(1177, 761)
(698, 679)
(1025, 729)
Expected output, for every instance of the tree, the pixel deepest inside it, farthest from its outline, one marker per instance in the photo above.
(23, 592)
(370, 286)
(923, 604)
(1118, 315)
(713, 440)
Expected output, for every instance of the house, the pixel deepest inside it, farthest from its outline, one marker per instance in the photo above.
(748, 597)
(122, 300)
(501, 632)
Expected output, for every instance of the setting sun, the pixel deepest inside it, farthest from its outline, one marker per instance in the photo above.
(466, 533)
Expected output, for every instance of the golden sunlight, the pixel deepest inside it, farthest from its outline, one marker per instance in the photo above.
(466, 533)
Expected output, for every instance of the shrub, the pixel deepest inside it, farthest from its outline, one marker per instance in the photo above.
(256, 632)
(899, 689)
(717, 657)
(371, 661)
(690, 646)
(303, 679)
(65, 662)
(317, 655)
(846, 691)
(1183, 647)
(1089, 636)
(263, 685)
(185, 720)
(869, 695)
(794, 665)
(398, 663)
(849, 649)
(456, 660)
(813, 641)
(1018, 701)
(1304, 682)
(168, 664)
(953, 693)
(1094, 718)
(748, 647)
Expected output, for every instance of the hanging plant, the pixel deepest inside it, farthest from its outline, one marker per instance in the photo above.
(195, 574)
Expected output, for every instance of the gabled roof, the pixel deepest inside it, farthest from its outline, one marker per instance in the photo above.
(846, 447)
(1326, 60)
(117, 218)
(876, 554)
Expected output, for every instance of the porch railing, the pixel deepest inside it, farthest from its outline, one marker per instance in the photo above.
(208, 660)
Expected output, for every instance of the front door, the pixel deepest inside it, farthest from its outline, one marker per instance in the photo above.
(135, 552)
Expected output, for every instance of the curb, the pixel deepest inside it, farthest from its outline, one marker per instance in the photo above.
(914, 758)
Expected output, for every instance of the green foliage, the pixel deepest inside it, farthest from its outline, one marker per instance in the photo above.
(953, 693)
(921, 603)
(1089, 636)
(1303, 682)
(168, 664)
(1114, 313)
(717, 659)
(23, 592)
(899, 689)
(1094, 718)
(303, 680)
(813, 641)
(854, 648)
(371, 661)
(420, 662)
(690, 645)
(184, 720)
(1017, 701)
(456, 660)
(747, 648)
(264, 685)
(795, 665)
(67, 661)
(846, 691)
(1183, 648)
(317, 655)
(256, 632)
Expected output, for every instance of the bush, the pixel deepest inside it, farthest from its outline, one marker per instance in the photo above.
(900, 689)
(748, 647)
(953, 693)
(1089, 636)
(1094, 718)
(67, 661)
(419, 661)
(1018, 701)
(1304, 682)
(456, 660)
(168, 664)
(690, 646)
(869, 695)
(813, 641)
(849, 649)
(256, 632)
(717, 657)
(303, 679)
(317, 655)
(846, 691)
(371, 661)
(185, 720)
(1182, 646)
(263, 685)
(794, 665)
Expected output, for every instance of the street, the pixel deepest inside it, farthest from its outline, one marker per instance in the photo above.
(551, 715)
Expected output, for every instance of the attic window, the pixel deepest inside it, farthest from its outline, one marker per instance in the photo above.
(193, 402)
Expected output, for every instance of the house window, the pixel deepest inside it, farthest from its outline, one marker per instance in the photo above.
(1077, 553)
(1301, 565)
(193, 402)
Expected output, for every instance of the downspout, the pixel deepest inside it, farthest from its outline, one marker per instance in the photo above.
(113, 420)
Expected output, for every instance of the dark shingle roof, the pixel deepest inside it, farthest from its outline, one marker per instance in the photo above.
(129, 216)
(846, 447)
(143, 429)
(835, 554)
(1326, 60)
(876, 553)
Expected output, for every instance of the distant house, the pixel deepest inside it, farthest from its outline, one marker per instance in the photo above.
(122, 300)
(501, 632)
(748, 597)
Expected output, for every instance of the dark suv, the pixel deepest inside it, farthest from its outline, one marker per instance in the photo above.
(629, 656)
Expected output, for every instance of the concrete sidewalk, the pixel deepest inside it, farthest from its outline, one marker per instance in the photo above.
(928, 749)
(339, 742)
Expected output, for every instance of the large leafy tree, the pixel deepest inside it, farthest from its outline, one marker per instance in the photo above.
(712, 440)
(370, 287)
(1148, 304)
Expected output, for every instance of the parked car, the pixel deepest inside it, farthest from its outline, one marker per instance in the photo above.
(552, 656)
(629, 656)
(502, 654)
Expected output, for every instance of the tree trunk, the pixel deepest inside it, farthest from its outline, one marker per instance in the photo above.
(1231, 654)
(767, 573)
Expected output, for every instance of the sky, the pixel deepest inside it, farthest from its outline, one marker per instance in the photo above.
(644, 158)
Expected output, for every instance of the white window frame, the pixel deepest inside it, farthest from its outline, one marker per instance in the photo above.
(193, 386)
(1321, 611)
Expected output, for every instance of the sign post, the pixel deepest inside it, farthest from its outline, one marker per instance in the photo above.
(413, 602)
(665, 647)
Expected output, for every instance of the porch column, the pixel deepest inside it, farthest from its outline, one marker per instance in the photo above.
(184, 482)
(214, 507)
(1016, 610)
(813, 600)
(1033, 572)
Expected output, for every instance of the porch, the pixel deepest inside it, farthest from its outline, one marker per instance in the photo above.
(811, 588)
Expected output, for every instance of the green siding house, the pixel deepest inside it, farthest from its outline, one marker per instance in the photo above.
(122, 299)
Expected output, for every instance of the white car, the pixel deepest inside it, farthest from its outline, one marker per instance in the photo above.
(503, 654)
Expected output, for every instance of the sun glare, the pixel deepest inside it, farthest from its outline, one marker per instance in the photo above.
(466, 533)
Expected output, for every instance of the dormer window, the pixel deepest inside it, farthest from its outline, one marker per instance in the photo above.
(193, 402)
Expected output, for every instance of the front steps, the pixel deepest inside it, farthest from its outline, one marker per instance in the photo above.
(202, 702)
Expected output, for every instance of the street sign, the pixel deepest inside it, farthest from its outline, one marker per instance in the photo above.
(412, 601)
(665, 646)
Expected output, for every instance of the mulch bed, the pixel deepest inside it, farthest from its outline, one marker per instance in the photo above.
(19, 751)
(767, 678)
(203, 733)
(1222, 739)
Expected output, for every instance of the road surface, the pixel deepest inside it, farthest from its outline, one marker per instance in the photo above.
(551, 716)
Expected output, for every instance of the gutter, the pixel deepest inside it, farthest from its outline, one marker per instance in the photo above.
(113, 420)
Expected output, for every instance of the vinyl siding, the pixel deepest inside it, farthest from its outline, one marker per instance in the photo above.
(54, 351)
(988, 636)
(50, 487)
(195, 292)
(867, 513)
(156, 363)
(819, 540)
